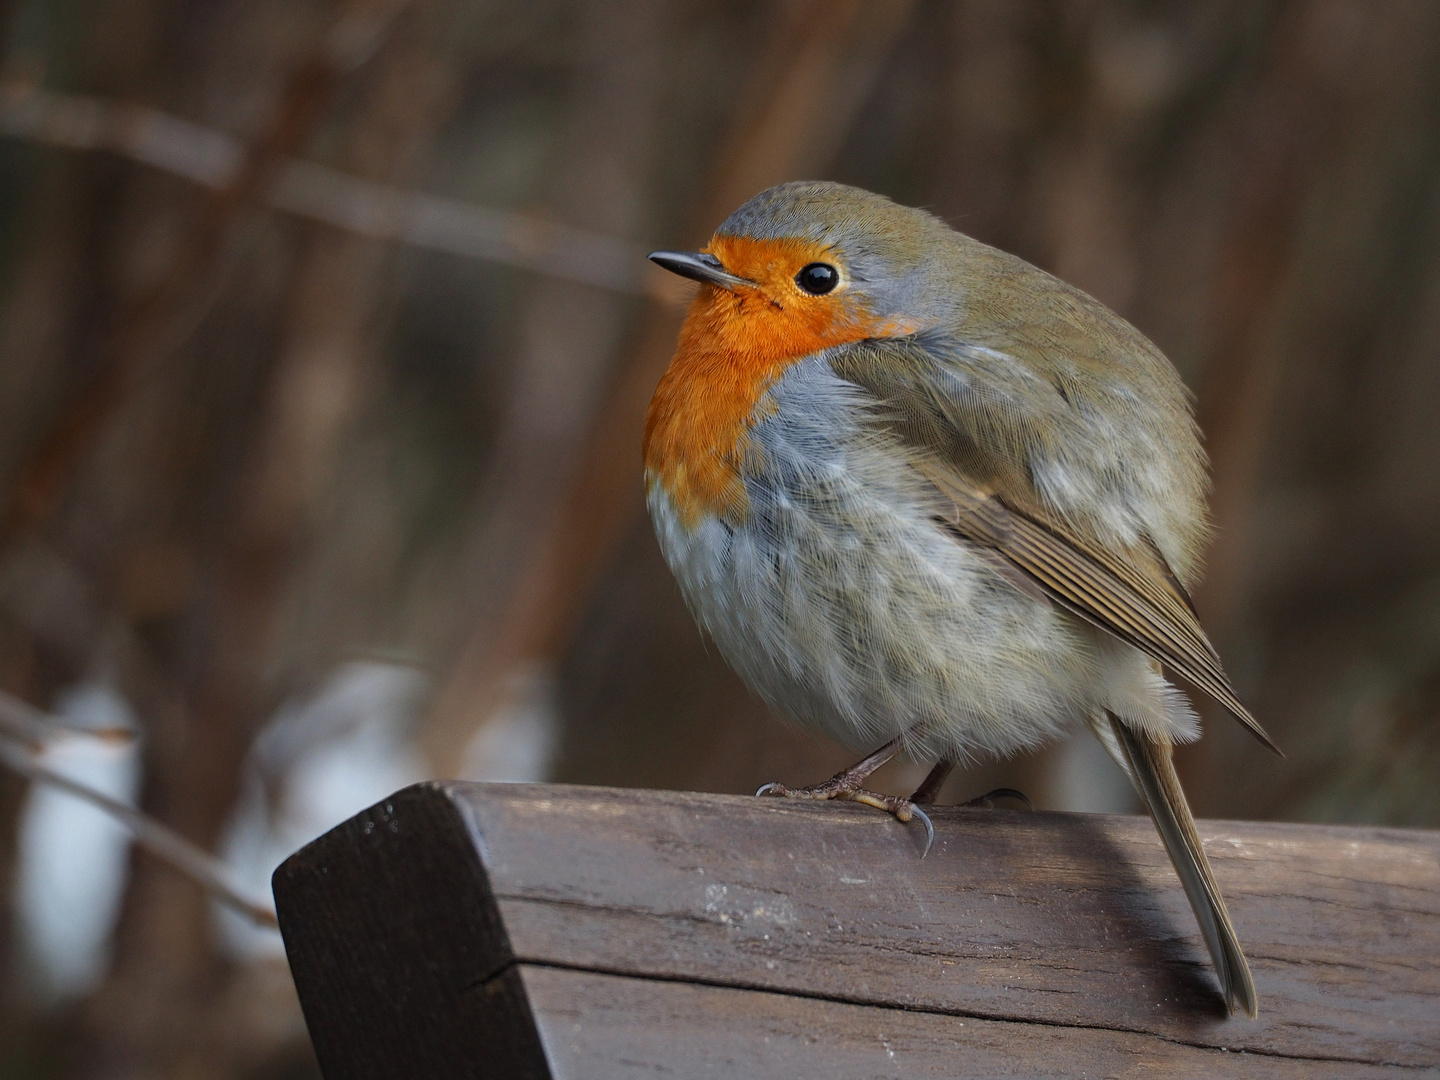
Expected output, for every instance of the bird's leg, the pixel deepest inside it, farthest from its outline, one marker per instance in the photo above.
(846, 783)
(929, 790)
(989, 799)
(845, 786)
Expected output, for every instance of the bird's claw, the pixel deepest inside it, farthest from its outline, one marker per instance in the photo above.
(929, 829)
(989, 799)
(902, 809)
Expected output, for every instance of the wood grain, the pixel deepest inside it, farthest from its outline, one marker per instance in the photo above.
(525, 930)
(612, 1026)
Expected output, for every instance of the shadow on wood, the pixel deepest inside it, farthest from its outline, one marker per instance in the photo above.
(471, 930)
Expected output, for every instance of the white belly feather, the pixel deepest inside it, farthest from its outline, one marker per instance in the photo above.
(843, 603)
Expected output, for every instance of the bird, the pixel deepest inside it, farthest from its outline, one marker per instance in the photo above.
(923, 494)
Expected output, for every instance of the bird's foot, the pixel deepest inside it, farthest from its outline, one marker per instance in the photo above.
(990, 798)
(843, 787)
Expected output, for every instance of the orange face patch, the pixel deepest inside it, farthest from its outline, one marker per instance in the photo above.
(733, 346)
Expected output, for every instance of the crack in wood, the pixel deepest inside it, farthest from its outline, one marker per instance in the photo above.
(998, 1018)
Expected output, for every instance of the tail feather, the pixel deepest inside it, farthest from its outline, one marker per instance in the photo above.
(1152, 770)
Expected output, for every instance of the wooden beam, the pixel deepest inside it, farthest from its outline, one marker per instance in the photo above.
(472, 930)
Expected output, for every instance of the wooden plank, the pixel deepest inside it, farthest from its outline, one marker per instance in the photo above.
(427, 931)
(628, 1029)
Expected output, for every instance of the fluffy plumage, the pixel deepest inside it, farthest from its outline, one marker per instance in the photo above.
(954, 500)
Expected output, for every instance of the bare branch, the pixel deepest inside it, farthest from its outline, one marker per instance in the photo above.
(378, 211)
(165, 843)
(22, 722)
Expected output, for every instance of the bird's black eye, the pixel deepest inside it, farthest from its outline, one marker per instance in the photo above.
(818, 278)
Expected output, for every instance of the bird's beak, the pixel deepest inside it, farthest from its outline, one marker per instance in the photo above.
(698, 266)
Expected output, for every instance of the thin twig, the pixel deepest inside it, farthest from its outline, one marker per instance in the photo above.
(168, 845)
(22, 722)
(378, 211)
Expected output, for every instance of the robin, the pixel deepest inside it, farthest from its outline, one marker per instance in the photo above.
(925, 495)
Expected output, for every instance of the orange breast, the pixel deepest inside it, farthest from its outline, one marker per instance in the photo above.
(733, 346)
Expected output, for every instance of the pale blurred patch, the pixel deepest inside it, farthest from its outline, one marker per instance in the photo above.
(519, 742)
(73, 856)
(320, 761)
(1083, 778)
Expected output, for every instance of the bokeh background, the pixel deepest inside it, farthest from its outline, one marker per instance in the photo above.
(325, 339)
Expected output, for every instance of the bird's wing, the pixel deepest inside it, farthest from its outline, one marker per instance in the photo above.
(1110, 592)
(1132, 596)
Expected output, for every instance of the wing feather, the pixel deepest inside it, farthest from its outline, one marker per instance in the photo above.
(1141, 609)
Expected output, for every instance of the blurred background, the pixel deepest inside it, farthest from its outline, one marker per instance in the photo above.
(325, 340)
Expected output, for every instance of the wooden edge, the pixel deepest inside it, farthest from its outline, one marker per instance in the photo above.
(397, 950)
